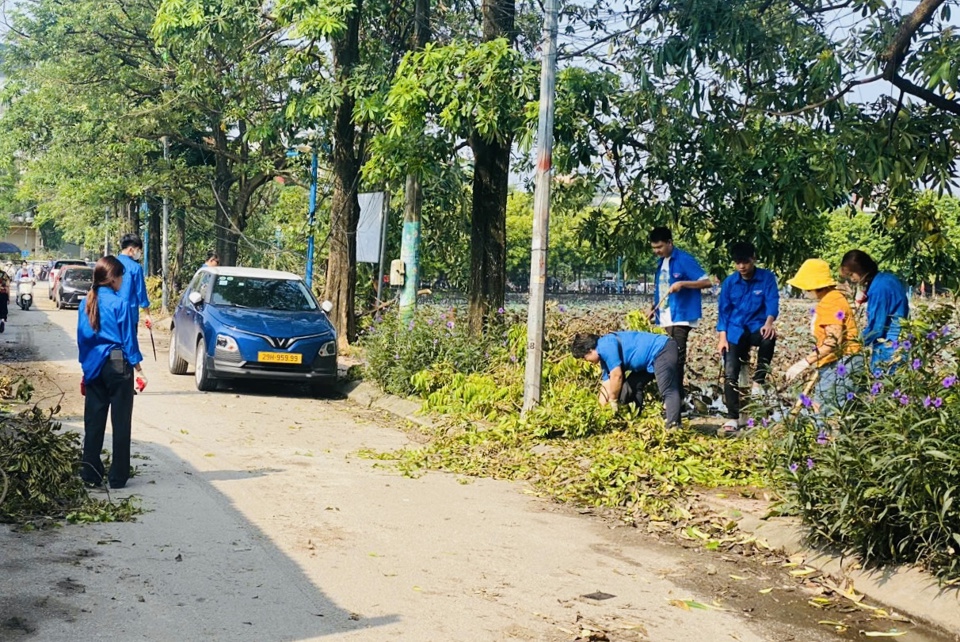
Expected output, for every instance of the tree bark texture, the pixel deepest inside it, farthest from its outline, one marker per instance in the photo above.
(488, 230)
(341, 281)
(156, 240)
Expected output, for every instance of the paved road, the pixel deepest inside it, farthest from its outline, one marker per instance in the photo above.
(263, 524)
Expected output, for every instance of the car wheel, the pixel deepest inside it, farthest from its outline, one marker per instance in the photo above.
(177, 365)
(59, 300)
(205, 382)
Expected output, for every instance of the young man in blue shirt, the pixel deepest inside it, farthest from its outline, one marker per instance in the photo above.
(133, 290)
(887, 305)
(676, 294)
(628, 362)
(748, 307)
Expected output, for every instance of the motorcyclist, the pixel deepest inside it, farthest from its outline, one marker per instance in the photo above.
(24, 275)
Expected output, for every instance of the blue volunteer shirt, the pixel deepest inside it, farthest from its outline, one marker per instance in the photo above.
(117, 331)
(133, 289)
(685, 305)
(745, 304)
(638, 349)
(886, 305)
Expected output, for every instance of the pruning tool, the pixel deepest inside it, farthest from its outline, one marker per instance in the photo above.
(153, 343)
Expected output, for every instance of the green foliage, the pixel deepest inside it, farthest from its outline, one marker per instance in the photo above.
(880, 477)
(39, 464)
(568, 445)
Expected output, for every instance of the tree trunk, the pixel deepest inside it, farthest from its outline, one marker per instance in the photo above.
(341, 281)
(178, 268)
(491, 174)
(488, 230)
(224, 231)
(153, 217)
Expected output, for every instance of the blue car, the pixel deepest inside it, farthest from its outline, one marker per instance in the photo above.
(248, 323)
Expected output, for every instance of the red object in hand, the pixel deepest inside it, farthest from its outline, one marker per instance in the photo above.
(148, 323)
(83, 387)
(141, 384)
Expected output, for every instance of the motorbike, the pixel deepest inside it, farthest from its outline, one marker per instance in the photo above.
(25, 295)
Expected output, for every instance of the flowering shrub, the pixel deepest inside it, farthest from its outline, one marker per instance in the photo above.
(880, 476)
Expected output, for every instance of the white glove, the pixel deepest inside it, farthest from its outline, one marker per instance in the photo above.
(797, 369)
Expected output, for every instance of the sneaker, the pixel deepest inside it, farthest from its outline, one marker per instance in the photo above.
(731, 428)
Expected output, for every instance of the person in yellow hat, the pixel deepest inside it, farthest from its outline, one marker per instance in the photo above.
(837, 352)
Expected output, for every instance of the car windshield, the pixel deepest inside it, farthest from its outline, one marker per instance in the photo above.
(78, 277)
(264, 293)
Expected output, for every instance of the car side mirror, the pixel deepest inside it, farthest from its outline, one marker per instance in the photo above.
(326, 306)
(195, 298)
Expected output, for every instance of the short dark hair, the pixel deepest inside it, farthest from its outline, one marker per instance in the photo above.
(130, 240)
(859, 262)
(212, 254)
(661, 235)
(742, 251)
(582, 344)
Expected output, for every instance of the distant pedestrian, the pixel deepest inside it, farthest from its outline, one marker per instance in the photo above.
(836, 354)
(677, 305)
(628, 362)
(885, 298)
(213, 259)
(134, 288)
(109, 355)
(748, 307)
(4, 299)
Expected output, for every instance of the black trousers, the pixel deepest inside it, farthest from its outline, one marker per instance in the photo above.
(666, 371)
(680, 333)
(736, 357)
(111, 391)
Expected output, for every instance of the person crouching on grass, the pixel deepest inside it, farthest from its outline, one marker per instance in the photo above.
(837, 351)
(106, 338)
(628, 362)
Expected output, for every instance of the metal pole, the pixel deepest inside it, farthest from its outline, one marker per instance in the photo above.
(311, 217)
(541, 210)
(383, 243)
(165, 237)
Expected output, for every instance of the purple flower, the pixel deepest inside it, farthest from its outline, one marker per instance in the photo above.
(927, 401)
(949, 381)
(937, 402)
(813, 311)
(751, 423)
(500, 310)
(896, 393)
(822, 438)
(877, 373)
(904, 400)
(809, 464)
(430, 321)
(793, 467)
(944, 331)
(561, 308)
(906, 345)
(765, 422)
(513, 358)
(450, 324)
(842, 370)
(396, 357)
(841, 315)
(876, 388)
(932, 335)
(894, 344)
(806, 401)
(916, 364)
(850, 396)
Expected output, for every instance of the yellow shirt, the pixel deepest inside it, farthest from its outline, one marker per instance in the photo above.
(833, 309)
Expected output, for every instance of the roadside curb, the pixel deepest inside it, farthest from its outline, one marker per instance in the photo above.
(907, 590)
(368, 395)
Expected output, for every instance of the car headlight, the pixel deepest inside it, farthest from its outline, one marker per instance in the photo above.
(228, 343)
(328, 349)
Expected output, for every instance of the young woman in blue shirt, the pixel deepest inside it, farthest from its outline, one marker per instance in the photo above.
(109, 355)
(886, 301)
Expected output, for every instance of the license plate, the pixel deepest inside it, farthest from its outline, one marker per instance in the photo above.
(280, 357)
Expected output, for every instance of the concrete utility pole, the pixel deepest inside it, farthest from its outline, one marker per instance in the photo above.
(165, 236)
(541, 210)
